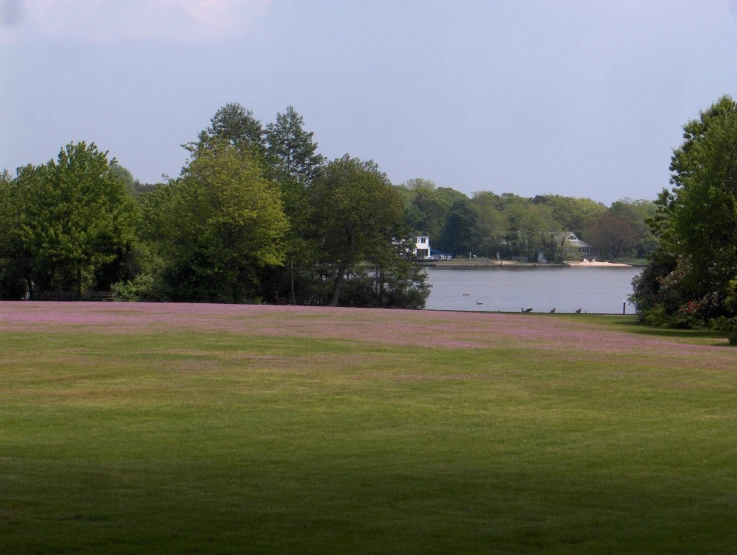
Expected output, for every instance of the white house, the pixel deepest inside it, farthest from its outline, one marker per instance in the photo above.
(422, 246)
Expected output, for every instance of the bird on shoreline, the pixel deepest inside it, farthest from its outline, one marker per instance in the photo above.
(578, 311)
(526, 310)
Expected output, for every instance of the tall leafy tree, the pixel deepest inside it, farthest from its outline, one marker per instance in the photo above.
(696, 221)
(637, 213)
(16, 261)
(78, 214)
(420, 183)
(426, 206)
(355, 212)
(570, 213)
(701, 210)
(614, 235)
(294, 163)
(224, 221)
(489, 224)
(236, 125)
(460, 221)
(291, 150)
(125, 176)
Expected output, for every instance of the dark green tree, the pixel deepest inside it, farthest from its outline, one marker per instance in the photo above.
(77, 215)
(355, 211)
(16, 261)
(294, 163)
(125, 176)
(457, 234)
(224, 220)
(696, 221)
(236, 125)
(291, 151)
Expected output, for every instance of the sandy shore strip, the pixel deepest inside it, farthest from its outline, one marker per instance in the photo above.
(595, 264)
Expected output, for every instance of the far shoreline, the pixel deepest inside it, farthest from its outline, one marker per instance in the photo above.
(511, 265)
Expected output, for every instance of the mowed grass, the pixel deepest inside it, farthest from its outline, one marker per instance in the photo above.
(195, 429)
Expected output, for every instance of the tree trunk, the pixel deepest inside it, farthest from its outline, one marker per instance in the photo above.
(336, 288)
(79, 281)
(381, 288)
(291, 281)
(29, 281)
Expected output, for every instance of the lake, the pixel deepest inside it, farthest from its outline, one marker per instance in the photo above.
(593, 290)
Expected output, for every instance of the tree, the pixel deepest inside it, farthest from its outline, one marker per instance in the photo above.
(77, 215)
(637, 212)
(702, 221)
(125, 176)
(224, 221)
(388, 278)
(614, 235)
(420, 183)
(696, 221)
(460, 221)
(236, 125)
(291, 150)
(294, 163)
(15, 260)
(572, 214)
(355, 211)
(426, 206)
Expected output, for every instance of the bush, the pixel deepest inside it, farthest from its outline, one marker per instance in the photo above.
(654, 317)
(732, 336)
(722, 323)
(132, 290)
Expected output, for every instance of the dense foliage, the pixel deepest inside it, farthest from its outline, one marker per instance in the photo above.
(255, 215)
(64, 224)
(258, 215)
(692, 278)
(486, 223)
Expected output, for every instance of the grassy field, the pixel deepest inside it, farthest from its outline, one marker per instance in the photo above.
(144, 428)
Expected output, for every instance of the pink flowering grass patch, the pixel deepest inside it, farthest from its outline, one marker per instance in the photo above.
(455, 330)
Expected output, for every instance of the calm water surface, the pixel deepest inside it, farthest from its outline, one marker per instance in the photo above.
(593, 290)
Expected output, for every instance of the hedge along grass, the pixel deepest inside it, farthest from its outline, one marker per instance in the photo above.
(203, 428)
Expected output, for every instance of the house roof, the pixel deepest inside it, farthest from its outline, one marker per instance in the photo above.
(570, 238)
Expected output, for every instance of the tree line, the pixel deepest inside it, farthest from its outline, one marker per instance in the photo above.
(258, 215)
(487, 223)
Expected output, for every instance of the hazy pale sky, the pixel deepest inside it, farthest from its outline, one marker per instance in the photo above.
(572, 97)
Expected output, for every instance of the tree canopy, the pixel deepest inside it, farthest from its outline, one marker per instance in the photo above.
(694, 268)
(223, 221)
(69, 217)
(236, 125)
(258, 215)
(355, 213)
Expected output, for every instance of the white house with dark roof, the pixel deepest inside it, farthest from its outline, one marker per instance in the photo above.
(422, 246)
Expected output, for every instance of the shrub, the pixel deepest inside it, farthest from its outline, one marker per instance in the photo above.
(653, 317)
(732, 336)
(722, 323)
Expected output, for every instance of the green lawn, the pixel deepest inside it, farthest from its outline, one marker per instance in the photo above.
(183, 429)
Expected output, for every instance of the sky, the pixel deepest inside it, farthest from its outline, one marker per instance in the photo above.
(572, 97)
